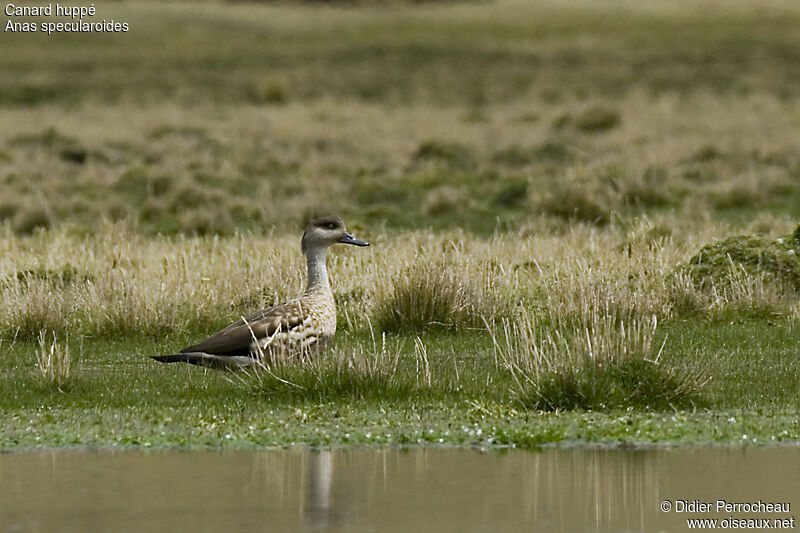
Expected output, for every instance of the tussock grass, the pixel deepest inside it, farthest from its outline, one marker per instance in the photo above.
(595, 195)
(627, 384)
(554, 151)
(449, 154)
(434, 295)
(53, 361)
(739, 292)
(588, 340)
(389, 370)
(349, 374)
(608, 363)
(591, 119)
(574, 201)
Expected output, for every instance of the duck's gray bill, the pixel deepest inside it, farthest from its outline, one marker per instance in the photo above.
(349, 239)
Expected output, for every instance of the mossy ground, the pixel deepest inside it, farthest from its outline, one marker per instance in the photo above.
(776, 261)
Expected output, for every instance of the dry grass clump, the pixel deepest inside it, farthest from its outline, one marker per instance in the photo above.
(30, 307)
(748, 189)
(445, 199)
(622, 284)
(609, 362)
(591, 119)
(554, 151)
(450, 154)
(356, 373)
(756, 295)
(30, 218)
(273, 90)
(7, 210)
(771, 224)
(575, 200)
(49, 139)
(597, 118)
(594, 194)
(53, 361)
(649, 190)
(211, 220)
(433, 295)
(735, 291)
(588, 340)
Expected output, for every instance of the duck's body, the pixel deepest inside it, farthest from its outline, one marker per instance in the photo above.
(299, 327)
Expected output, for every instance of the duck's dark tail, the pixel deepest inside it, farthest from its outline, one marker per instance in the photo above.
(173, 358)
(227, 362)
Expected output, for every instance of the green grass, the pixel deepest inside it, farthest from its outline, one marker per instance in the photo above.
(118, 397)
(635, 383)
(748, 360)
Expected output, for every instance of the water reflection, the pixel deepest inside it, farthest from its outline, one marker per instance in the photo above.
(319, 477)
(384, 490)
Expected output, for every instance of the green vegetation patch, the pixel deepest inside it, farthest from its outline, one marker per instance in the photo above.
(108, 393)
(720, 262)
(631, 382)
(450, 154)
(576, 202)
(552, 151)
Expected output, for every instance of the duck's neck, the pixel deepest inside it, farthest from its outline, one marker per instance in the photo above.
(317, 272)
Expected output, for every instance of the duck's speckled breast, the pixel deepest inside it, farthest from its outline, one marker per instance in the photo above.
(321, 309)
(311, 335)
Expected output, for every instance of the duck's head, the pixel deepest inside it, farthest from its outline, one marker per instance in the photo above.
(327, 231)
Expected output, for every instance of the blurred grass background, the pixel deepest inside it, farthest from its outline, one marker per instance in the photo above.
(217, 117)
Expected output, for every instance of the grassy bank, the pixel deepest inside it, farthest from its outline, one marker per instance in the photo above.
(118, 398)
(548, 188)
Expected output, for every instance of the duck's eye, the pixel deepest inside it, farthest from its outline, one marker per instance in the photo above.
(331, 225)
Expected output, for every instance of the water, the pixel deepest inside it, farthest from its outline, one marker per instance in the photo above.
(388, 490)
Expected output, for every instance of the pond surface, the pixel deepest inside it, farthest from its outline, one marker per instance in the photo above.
(438, 490)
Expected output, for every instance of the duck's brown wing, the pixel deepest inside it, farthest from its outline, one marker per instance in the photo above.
(237, 339)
